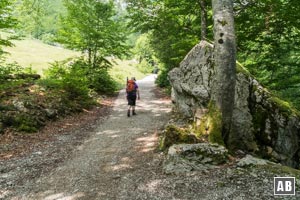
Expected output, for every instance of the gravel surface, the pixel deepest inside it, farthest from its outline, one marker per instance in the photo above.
(117, 158)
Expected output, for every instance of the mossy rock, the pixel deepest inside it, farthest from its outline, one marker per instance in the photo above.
(174, 135)
(284, 107)
(215, 125)
(280, 170)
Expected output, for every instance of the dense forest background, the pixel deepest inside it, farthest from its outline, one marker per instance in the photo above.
(267, 37)
(157, 34)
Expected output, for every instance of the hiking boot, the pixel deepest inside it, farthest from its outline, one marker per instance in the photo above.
(133, 113)
(128, 113)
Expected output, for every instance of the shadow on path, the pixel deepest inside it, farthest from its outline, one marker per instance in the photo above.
(117, 161)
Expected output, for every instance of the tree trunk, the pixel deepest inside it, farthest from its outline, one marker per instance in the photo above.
(223, 90)
(203, 19)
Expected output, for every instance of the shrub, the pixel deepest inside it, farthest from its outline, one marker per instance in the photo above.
(102, 82)
(162, 79)
(68, 77)
(145, 67)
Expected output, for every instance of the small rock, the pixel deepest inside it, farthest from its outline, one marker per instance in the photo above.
(38, 153)
(249, 160)
(51, 113)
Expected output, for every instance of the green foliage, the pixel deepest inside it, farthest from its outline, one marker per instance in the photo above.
(145, 67)
(96, 31)
(69, 78)
(144, 54)
(39, 18)
(162, 79)
(6, 22)
(7, 70)
(269, 34)
(26, 123)
(102, 82)
(77, 78)
(173, 27)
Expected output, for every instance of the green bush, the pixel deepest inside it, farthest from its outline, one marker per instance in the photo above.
(26, 123)
(98, 77)
(102, 82)
(68, 77)
(12, 84)
(162, 79)
(145, 67)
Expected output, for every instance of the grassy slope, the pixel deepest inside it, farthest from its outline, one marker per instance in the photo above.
(34, 53)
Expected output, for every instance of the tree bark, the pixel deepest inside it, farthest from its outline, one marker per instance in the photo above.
(203, 19)
(223, 90)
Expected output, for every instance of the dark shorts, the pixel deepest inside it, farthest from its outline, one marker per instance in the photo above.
(131, 100)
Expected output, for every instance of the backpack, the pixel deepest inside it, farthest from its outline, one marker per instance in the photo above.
(130, 86)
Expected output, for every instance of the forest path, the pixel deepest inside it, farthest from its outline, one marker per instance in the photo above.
(116, 160)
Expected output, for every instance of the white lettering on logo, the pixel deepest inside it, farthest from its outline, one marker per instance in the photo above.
(288, 186)
(280, 186)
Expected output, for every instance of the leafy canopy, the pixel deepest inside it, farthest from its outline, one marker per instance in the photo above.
(93, 28)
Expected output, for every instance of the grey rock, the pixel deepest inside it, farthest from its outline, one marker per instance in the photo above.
(19, 105)
(51, 113)
(194, 157)
(259, 121)
(249, 160)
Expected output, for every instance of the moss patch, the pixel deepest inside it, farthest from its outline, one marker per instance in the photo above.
(174, 135)
(211, 126)
(284, 107)
(215, 125)
(241, 69)
(281, 170)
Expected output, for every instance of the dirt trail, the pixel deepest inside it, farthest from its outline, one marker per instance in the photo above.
(117, 160)
(114, 160)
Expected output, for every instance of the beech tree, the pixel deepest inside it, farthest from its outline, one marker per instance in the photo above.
(225, 62)
(95, 31)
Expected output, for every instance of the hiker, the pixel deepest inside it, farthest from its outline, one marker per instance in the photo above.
(132, 91)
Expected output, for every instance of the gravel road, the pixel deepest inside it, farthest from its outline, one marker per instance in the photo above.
(117, 155)
(118, 160)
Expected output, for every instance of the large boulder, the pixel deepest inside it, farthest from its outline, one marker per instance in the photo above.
(262, 123)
